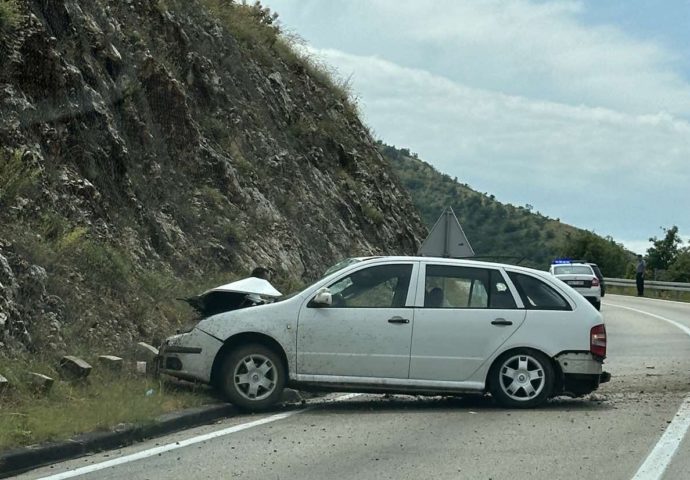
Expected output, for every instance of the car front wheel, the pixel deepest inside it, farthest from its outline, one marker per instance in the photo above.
(253, 377)
(521, 379)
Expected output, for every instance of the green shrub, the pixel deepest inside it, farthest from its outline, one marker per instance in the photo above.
(16, 176)
(105, 266)
(372, 213)
(10, 15)
(252, 24)
(100, 403)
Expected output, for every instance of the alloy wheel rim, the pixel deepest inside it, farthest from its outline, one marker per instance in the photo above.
(255, 377)
(522, 378)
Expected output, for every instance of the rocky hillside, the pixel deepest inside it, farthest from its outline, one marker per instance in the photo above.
(150, 149)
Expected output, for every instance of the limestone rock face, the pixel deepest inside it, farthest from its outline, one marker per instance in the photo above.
(150, 150)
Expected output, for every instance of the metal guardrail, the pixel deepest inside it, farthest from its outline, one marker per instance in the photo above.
(651, 284)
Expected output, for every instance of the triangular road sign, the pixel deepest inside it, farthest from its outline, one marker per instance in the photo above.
(446, 239)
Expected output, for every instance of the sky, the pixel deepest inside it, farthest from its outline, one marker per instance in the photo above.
(578, 108)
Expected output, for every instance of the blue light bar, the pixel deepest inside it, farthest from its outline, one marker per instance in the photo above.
(559, 261)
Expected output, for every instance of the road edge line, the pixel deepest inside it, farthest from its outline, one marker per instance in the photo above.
(185, 443)
(660, 457)
(168, 447)
(682, 327)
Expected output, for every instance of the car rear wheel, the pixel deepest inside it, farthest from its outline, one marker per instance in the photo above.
(521, 379)
(597, 304)
(253, 377)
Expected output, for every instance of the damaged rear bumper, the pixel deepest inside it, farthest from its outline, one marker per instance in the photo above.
(582, 373)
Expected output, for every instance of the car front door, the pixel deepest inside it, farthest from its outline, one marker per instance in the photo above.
(367, 329)
(467, 314)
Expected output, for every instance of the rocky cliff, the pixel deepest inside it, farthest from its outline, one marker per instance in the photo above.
(150, 149)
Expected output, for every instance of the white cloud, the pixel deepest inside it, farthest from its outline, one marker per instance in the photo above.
(527, 48)
(593, 167)
(521, 99)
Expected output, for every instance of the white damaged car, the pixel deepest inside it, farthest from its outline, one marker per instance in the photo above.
(417, 325)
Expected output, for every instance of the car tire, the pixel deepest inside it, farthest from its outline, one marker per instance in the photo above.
(253, 377)
(597, 304)
(522, 378)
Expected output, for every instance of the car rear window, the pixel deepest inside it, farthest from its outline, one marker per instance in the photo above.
(537, 295)
(573, 270)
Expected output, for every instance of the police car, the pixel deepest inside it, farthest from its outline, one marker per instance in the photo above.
(581, 277)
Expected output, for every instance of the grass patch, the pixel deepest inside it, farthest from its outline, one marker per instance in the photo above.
(103, 402)
(650, 293)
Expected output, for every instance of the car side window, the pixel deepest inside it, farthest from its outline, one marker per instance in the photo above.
(537, 295)
(465, 287)
(382, 286)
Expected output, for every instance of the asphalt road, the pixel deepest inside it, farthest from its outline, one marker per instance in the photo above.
(616, 433)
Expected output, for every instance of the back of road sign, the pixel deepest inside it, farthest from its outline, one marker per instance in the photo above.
(446, 239)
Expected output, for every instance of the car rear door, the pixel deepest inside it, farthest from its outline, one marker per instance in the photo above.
(367, 330)
(477, 314)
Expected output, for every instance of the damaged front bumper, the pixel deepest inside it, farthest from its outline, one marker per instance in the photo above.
(189, 356)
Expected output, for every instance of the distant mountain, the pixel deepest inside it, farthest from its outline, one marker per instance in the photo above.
(497, 230)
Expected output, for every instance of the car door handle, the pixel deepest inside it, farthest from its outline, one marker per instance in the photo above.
(398, 320)
(501, 321)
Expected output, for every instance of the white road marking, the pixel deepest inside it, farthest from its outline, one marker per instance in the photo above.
(660, 457)
(672, 322)
(183, 443)
(167, 448)
(655, 465)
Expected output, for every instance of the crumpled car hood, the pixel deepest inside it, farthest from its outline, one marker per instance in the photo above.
(232, 296)
(251, 285)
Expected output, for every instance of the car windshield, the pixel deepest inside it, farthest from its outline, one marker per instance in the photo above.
(335, 268)
(572, 270)
(341, 264)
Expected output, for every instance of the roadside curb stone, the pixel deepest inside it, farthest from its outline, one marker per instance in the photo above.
(111, 362)
(145, 352)
(74, 368)
(22, 459)
(39, 382)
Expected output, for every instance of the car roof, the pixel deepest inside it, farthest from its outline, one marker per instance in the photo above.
(453, 261)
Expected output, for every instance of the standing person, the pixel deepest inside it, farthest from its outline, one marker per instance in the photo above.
(639, 275)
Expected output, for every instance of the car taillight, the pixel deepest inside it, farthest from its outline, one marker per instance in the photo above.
(595, 282)
(597, 340)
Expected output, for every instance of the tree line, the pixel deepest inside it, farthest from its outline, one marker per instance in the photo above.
(667, 259)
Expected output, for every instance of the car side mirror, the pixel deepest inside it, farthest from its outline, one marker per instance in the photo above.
(323, 298)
